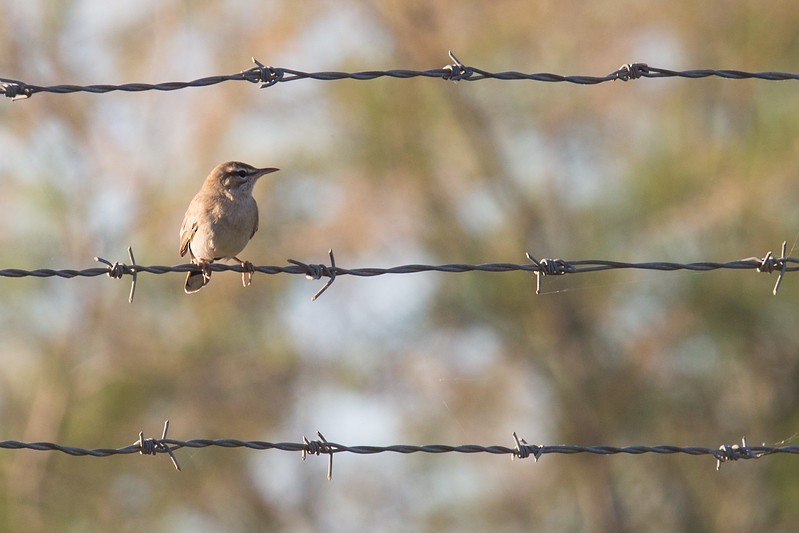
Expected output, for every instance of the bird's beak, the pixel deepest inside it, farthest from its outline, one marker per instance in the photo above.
(263, 171)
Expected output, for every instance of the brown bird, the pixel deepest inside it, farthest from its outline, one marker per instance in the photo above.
(221, 220)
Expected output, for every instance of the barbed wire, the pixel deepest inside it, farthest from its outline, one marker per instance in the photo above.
(540, 268)
(521, 450)
(267, 76)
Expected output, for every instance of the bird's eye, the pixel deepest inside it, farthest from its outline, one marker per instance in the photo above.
(242, 173)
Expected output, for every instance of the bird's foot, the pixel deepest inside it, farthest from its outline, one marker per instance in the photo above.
(205, 266)
(249, 270)
(197, 280)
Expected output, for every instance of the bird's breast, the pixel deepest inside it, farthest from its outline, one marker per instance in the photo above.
(227, 228)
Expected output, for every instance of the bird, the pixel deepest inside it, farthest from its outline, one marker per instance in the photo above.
(220, 221)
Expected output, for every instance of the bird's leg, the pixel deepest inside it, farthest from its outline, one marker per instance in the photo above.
(249, 270)
(205, 266)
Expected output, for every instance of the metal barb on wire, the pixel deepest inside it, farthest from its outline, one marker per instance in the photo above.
(769, 264)
(153, 446)
(631, 71)
(456, 71)
(266, 76)
(13, 89)
(735, 452)
(318, 447)
(116, 270)
(548, 267)
(318, 271)
(523, 449)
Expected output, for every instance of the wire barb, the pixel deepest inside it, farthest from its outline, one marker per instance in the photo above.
(318, 271)
(456, 71)
(117, 270)
(769, 264)
(318, 447)
(735, 452)
(13, 89)
(549, 267)
(523, 449)
(631, 71)
(155, 446)
(266, 76)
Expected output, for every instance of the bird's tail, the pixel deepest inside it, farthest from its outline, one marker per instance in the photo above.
(196, 281)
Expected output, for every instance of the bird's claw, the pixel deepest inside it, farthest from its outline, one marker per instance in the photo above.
(205, 266)
(246, 275)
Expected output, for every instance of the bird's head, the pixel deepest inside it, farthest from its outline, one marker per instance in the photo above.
(237, 177)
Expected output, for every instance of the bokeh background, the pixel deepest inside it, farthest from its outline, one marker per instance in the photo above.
(392, 172)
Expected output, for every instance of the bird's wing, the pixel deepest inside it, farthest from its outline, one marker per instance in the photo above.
(255, 226)
(186, 233)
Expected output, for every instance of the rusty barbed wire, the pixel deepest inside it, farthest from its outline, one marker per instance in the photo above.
(520, 450)
(540, 268)
(267, 76)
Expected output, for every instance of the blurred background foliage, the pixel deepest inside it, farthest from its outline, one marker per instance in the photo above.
(393, 172)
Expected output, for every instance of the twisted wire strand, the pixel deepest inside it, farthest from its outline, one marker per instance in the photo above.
(322, 446)
(571, 267)
(268, 76)
(540, 268)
